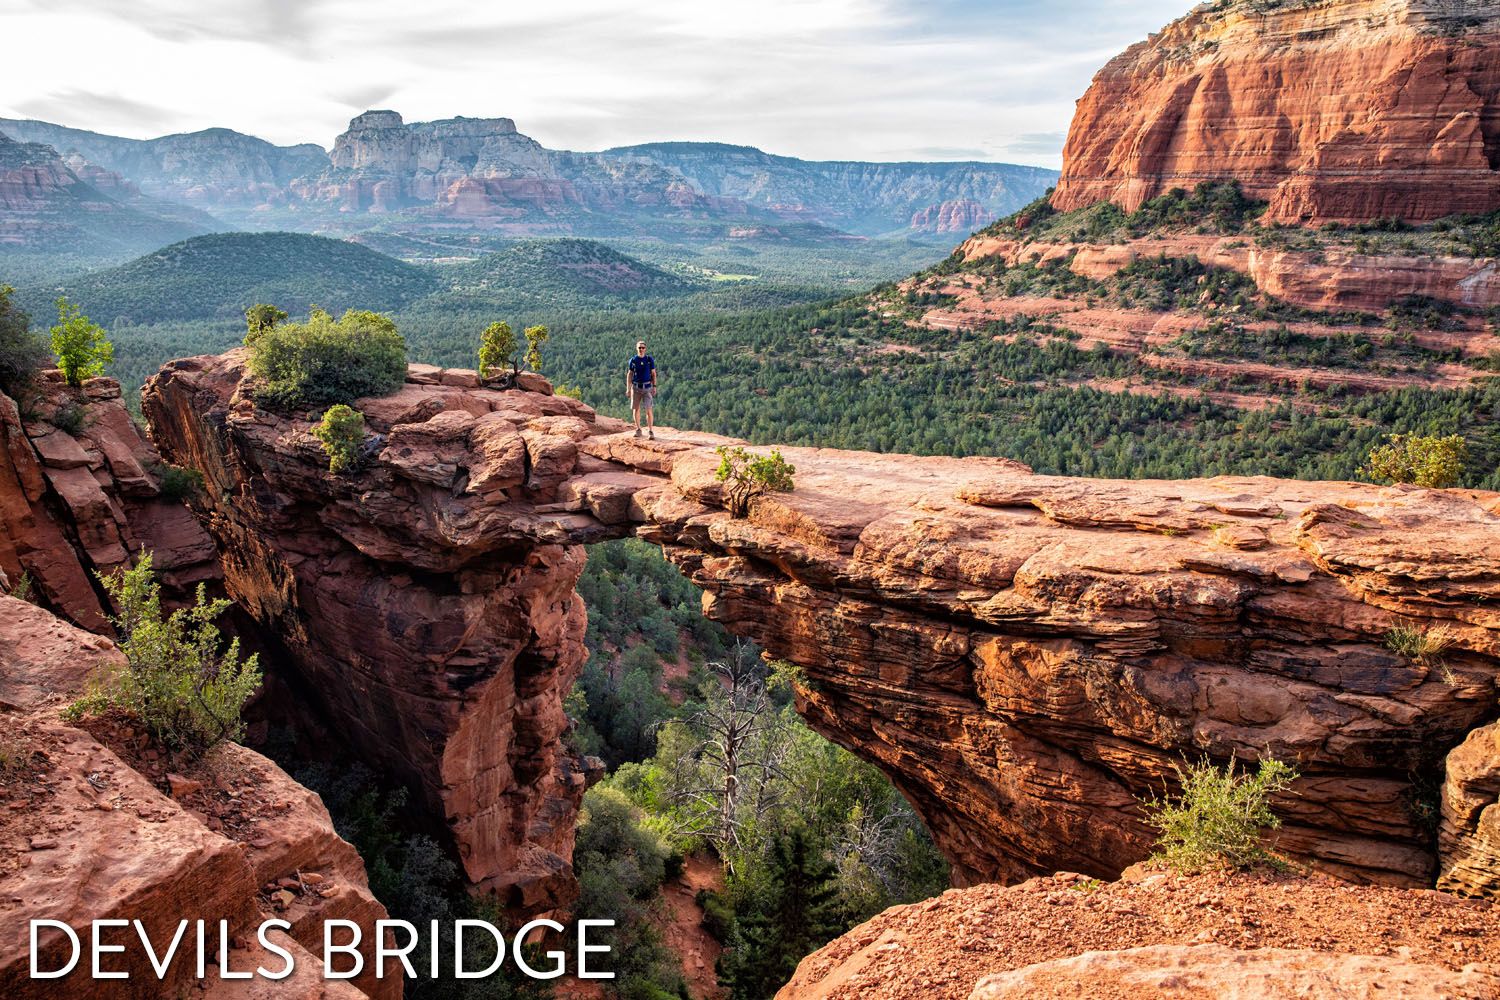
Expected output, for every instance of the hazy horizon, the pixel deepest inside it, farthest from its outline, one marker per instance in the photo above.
(876, 80)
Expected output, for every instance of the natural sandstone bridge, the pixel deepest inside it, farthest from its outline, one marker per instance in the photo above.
(1024, 655)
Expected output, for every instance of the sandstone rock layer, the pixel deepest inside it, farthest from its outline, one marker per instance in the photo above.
(1026, 656)
(1328, 109)
(1159, 935)
(427, 603)
(87, 834)
(80, 495)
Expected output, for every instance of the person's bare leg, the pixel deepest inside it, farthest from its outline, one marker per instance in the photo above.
(635, 409)
(651, 420)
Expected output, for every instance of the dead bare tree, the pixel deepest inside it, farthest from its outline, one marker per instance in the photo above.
(725, 780)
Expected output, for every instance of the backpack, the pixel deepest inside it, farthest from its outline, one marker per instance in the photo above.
(641, 369)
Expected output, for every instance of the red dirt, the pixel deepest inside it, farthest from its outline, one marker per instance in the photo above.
(684, 931)
(939, 949)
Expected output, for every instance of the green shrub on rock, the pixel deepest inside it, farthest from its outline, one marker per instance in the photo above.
(1218, 819)
(1431, 462)
(326, 361)
(258, 319)
(181, 681)
(746, 475)
(342, 431)
(81, 347)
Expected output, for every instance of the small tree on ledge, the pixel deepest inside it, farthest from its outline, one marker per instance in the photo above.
(536, 336)
(259, 318)
(81, 347)
(497, 347)
(342, 431)
(747, 475)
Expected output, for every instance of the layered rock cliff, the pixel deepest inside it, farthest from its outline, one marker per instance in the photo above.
(1328, 109)
(49, 208)
(94, 828)
(81, 495)
(1024, 655)
(427, 605)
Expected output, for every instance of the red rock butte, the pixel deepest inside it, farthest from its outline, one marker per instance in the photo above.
(1331, 110)
(1025, 655)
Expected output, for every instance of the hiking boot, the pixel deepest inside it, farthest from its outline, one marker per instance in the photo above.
(651, 435)
(637, 432)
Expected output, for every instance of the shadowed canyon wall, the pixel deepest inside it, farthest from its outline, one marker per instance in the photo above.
(1024, 655)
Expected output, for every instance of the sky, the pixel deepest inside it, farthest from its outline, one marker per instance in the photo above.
(820, 79)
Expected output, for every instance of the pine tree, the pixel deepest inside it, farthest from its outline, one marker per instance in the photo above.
(797, 914)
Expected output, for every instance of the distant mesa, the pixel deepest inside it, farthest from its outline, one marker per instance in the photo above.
(1330, 110)
(483, 176)
(960, 215)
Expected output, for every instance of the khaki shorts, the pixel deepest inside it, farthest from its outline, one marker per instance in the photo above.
(643, 398)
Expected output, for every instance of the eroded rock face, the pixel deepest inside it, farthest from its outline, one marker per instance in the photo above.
(427, 602)
(1024, 655)
(87, 836)
(958, 215)
(80, 495)
(1469, 837)
(1328, 109)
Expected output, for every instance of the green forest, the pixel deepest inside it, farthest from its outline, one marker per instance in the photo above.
(813, 840)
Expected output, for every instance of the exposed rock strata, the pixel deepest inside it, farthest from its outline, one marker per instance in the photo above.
(87, 500)
(86, 836)
(1469, 837)
(1332, 281)
(1025, 655)
(428, 603)
(1328, 109)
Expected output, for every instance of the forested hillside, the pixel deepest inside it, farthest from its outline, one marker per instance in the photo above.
(216, 277)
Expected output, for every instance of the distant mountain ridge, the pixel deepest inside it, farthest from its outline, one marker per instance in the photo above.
(213, 168)
(864, 198)
(483, 174)
(69, 211)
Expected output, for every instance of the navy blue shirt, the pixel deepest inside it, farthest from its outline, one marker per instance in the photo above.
(642, 367)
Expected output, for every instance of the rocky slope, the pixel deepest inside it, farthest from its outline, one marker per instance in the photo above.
(80, 495)
(94, 828)
(1370, 119)
(1025, 655)
(1328, 109)
(1156, 934)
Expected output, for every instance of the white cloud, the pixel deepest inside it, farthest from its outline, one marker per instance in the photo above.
(830, 79)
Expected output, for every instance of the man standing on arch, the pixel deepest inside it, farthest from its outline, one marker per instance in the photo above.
(640, 387)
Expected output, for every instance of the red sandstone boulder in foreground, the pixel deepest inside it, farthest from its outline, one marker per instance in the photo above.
(1328, 109)
(93, 826)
